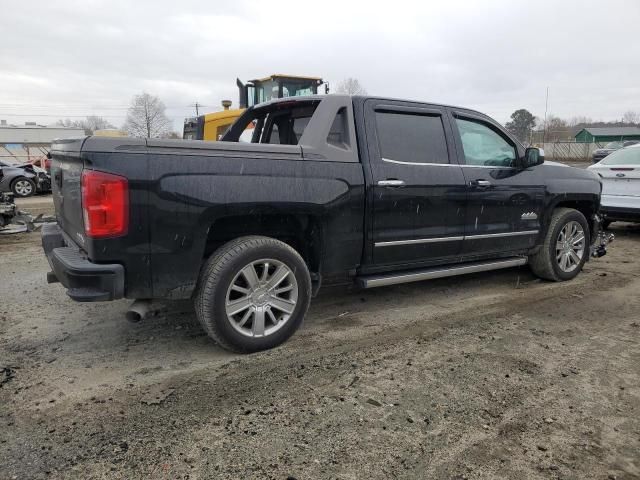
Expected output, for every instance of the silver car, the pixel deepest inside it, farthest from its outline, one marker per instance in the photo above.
(23, 180)
(620, 174)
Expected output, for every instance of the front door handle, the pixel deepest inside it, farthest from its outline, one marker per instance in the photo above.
(392, 182)
(480, 183)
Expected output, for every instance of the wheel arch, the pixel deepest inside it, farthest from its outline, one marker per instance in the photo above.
(587, 207)
(301, 232)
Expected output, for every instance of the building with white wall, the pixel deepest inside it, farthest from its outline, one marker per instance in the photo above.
(30, 142)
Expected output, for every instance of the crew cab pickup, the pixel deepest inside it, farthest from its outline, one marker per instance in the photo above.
(330, 189)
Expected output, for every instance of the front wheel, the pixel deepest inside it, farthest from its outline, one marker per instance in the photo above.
(565, 248)
(23, 187)
(253, 294)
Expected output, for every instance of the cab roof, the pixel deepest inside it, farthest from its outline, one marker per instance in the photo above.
(280, 76)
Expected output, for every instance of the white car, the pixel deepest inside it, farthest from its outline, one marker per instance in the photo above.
(620, 173)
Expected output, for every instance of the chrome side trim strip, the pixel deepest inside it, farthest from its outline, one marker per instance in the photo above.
(419, 240)
(497, 235)
(400, 162)
(454, 239)
(388, 160)
(381, 281)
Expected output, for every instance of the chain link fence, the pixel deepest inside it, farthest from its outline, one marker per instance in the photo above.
(569, 151)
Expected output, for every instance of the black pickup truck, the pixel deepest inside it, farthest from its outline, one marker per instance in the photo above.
(331, 189)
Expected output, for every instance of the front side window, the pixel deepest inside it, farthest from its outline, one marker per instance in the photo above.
(411, 138)
(483, 146)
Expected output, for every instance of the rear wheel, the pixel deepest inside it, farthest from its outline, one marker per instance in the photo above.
(565, 248)
(23, 187)
(253, 294)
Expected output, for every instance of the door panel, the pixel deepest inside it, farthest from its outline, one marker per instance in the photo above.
(418, 199)
(504, 202)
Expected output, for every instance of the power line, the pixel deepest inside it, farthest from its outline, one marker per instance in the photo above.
(51, 115)
(97, 107)
(63, 116)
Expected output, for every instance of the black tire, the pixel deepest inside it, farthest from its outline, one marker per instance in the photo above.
(216, 278)
(544, 263)
(17, 187)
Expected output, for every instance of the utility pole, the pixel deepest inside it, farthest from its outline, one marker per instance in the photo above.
(197, 106)
(546, 107)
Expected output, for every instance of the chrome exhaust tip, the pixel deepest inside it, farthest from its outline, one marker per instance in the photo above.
(138, 310)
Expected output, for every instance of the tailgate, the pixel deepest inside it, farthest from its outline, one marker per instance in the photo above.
(66, 170)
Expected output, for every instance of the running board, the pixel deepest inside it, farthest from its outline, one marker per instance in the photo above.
(372, 281)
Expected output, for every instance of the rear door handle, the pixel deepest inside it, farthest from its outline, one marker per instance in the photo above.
(480, 183)
(391, 183)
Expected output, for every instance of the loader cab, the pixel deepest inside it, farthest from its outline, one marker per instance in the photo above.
(277, 86)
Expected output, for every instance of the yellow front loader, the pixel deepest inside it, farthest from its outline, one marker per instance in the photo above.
(211, 126)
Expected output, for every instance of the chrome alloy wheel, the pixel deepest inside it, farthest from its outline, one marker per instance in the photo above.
(570, 246)
(24, 188)
(261, 298)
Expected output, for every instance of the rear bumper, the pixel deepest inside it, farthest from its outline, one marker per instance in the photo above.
(621, 213)
(85, 281)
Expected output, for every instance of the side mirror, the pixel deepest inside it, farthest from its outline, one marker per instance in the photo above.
(533, 156)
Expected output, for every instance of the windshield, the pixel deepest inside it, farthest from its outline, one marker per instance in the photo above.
(613, 145)
(270, 90)
(626, 156)
(297, 89)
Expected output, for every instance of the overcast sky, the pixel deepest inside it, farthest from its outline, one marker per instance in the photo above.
(69, 59)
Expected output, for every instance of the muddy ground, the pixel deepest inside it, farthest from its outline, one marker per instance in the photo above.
(494, 375)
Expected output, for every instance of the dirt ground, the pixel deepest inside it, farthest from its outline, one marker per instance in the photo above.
(494, 375)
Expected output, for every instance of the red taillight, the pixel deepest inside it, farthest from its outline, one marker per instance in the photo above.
(105, 204)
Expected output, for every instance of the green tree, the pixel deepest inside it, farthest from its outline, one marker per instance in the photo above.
(521, 124)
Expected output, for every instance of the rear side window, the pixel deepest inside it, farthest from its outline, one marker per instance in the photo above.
(406, 137)
(338, 134)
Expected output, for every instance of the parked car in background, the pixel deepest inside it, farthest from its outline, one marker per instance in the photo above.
(23, 180)
(611, 147)
(43, 162)
(620, 173)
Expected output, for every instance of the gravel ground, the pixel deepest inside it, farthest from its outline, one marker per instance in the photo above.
(494, 375)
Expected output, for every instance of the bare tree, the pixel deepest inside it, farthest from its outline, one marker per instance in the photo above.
(146, 117)
(556, 129)
(631, 117)
(90, 124)
(93, 123)
(580, 120)
(351, 86)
